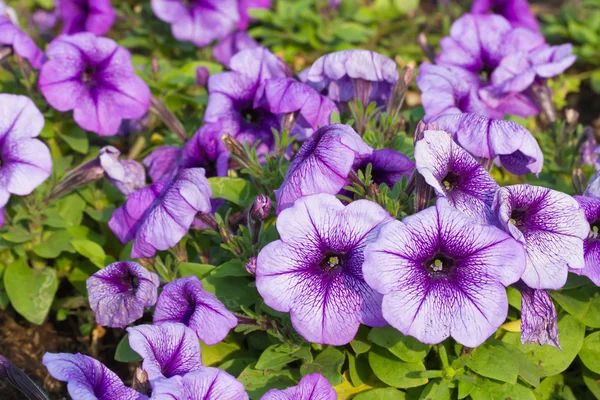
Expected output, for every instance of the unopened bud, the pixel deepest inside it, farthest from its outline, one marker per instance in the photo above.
(202, 76)
(20, 380)
(261, 208)
(251, 266)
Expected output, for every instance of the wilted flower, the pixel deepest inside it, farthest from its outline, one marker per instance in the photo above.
(9, 12)
(204, 384)
(322, 164)
(251, 266)
(507, 142)
(168, 349)
(95, 16)
(311, 387)
(87, 378)
(538, 317)
(550, 225)
(441, 274)
(231, 45)
(350, 74)
(261, 208)
(22, 44)
(126, 175)
(315, 270)
(591, 246)
(286, 97)
(593, 188)
(18, 378)
(388, 166)
(94, 77)
(185, 301)
(516, 12)
(157, 217)
(455, 175)
(25, 162)
(120, 292)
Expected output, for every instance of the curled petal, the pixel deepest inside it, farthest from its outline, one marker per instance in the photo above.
(22, 44)
(538, 317)
(205, 383)
(95, 16)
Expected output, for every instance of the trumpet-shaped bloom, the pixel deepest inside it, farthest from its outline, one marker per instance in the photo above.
(505, 141)
(126, 175)
(388, 166)
(315, 270)
(120, 292)
(157, 217)
(94, 77)
(591, 246)
(349, 74)
(95, 16)
(455, 175)
(322, 164)
(310, 387)
(163, 162)
(168, 349)
(87, 378)
(441, 274)
(231, 45)
(204, 384)
(538, 317)
(185, 301)
(22, 44)
(25, 161)
(516, 12)
(550, 225)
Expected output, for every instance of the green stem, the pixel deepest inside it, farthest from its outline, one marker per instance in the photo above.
(443, 355)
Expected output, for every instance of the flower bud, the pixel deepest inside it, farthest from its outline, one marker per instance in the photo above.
(251, 266)
(261, 208)
(202, 76)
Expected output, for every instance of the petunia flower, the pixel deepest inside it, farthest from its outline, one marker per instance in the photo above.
(88, 378)
(120, 292)
(157, 217)
(95, 16)
(168, 349)
(25, 161)
(538, 317)
(126, 175)
(203, 384)
(94, 77)
(314, 271)
(455, 175)
(441, 274)
(322, 164)
(9, 12)
(288, 98)
(22, 44)
(162, 162)
(349, 74)
(198, 21)
(507, 142)
(517, 12)
(593, 188)
(550, 225)
(185, 301)
(388, 166)
(311, 387)
(591, 245)
(231, 45)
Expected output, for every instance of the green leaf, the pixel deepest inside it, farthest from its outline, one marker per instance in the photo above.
(393, 371)
(582, 33)
(75, 137)
(68, 212)
(230, 268)
(233, 292)
(80, 273)
(595, 80)
(275, 357)
(54, 244)
(258, 382)
(436, 390)
(492, 390)
(359, 369)
(18, 234)
(125, 353)
(90, 250)
(328, 363)
(361, 344)
(493, 360)
(592, 381)
(30, 291)
(404, 6)
(590, 352)
(554, 388)
(193, 269)
(582, 303)
(406, 348)
(220, 352)
(236, 190)
(527, 369)
(381, 394)
(548, 359)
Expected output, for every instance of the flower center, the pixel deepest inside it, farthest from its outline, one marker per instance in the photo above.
(595, 230)
(450, 181)
(517, 217)
(332, 262)
(439, 264)
(131, 282)
(89, 76)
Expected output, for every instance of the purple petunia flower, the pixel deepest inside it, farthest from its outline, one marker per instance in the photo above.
(314, 271)
(455, 175)
(591, 246)
(162, 162)
(88, 378)
(204, 384)
(350, 74)
(322, 164)
(504, 141)
(231, 45)
(516, 12)
(388, 166)
(126, 175)
(25, 161)
(94, 77)
(22, 44)
(593, 189)
(441, 274)
(185, 301)
(311, 387)
(9, 12)
(120, 292)
(95, 16)
(168, 349)
(550, 225)
(287, 97)
(538, 317)
(157, 217)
